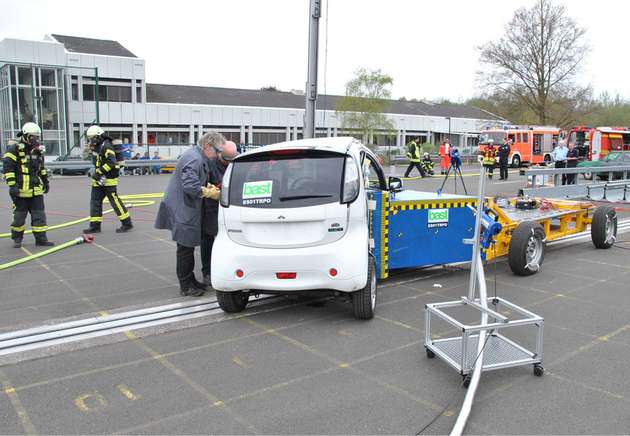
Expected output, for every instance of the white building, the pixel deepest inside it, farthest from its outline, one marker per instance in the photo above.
(66, 83)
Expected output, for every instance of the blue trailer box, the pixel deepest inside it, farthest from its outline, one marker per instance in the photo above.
(416, 229)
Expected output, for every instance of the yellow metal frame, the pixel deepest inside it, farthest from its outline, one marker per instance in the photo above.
(573, 216)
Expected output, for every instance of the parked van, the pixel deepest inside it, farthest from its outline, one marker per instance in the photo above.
(294, 217)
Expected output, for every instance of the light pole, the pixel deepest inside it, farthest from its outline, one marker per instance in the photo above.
(449, 130)
(311, 84)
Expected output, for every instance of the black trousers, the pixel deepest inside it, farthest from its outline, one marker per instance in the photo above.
(185, 265)
(413, 165)
(21, 208)
(503, 169)
(96, 203)
(207, 241)
(571, 177)
(562, 164)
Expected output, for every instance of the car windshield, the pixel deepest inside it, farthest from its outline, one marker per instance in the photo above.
(287, 179)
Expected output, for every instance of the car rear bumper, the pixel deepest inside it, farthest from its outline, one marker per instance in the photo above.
(312, 265)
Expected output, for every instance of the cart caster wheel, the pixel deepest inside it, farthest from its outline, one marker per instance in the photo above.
(430, 354)
(466, 382)
(538, 370)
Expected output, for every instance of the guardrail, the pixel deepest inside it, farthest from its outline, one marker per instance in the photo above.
(539, 178)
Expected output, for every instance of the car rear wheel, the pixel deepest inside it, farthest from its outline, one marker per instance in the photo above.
(232, 302)
(604, 227)
(364, 300)
(527, 248)
(588, 176)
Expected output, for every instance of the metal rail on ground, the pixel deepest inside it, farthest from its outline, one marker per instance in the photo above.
(88, 328)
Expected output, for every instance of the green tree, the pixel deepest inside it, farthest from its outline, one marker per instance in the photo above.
(366, 100)
(537, 61)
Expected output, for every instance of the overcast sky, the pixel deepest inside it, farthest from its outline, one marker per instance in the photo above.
(428, 47)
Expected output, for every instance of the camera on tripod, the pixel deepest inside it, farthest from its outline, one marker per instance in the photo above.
(456, 160)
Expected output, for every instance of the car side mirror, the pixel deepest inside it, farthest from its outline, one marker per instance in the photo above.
(394, 184)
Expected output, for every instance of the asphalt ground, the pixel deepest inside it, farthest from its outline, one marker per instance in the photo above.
(307, 367)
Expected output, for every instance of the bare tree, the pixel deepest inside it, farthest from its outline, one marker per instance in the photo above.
(537, 60)
(366, 100)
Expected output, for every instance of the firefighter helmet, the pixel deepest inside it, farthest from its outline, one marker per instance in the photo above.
(31, 129)
(93, 131)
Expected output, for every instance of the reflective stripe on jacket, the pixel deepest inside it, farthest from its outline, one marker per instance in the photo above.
(24, 169)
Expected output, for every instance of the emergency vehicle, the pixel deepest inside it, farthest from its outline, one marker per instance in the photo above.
(596, 143)
(531, 145)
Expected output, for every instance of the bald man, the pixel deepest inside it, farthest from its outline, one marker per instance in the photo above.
(210, 209)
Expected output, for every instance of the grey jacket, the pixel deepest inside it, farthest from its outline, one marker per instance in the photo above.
(180, 210)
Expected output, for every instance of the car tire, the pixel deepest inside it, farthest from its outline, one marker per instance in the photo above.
(527, 248)
(604, 227)
(588, 176)
(364, 300)
(232, 302)
(516, 161)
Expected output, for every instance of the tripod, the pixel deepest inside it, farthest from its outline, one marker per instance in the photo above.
(455, 167)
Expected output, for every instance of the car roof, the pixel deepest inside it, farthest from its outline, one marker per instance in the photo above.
(337, 144)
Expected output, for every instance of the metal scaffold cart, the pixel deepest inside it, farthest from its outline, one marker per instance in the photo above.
(482, 345)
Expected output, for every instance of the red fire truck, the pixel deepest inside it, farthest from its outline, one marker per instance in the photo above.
(596, 143)
(531, 145)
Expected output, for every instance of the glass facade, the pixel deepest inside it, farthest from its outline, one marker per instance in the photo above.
(34, 94)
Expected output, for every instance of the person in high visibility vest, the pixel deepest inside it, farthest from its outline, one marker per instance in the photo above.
(413, 153)
(26, 175)
(105, 182)
(445, 156)
(488, 156)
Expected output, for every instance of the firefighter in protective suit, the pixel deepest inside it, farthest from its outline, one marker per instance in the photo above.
(105, 181)
(24, 172)
(487, 157)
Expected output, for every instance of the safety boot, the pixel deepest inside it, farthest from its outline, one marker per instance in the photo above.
(17, 243)
(93, 228)
(125, 227)
(42, 241)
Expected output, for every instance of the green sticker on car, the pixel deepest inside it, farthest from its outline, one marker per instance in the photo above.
(261, 189)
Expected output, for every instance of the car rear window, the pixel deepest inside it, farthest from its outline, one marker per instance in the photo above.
(286, 179)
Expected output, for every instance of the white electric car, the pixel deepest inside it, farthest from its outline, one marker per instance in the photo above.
(294, 218)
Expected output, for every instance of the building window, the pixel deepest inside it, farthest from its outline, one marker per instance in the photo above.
(108, 93)
(25, 76)
(75, 91)
(48, 77)
(88, 92)
(139, 94)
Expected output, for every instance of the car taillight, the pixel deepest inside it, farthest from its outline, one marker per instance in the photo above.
(225, 187)
(286, 275)
(351, 185)
(239, 273)
(332, 272)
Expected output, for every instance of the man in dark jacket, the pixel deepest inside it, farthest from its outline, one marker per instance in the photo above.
(181, 209)
(209, 218)
(504, 157)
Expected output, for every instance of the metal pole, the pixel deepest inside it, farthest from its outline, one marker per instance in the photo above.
(96, 94)
(311, 84)
(476, 248)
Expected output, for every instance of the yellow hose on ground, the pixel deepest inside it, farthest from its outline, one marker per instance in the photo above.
(131, 200)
